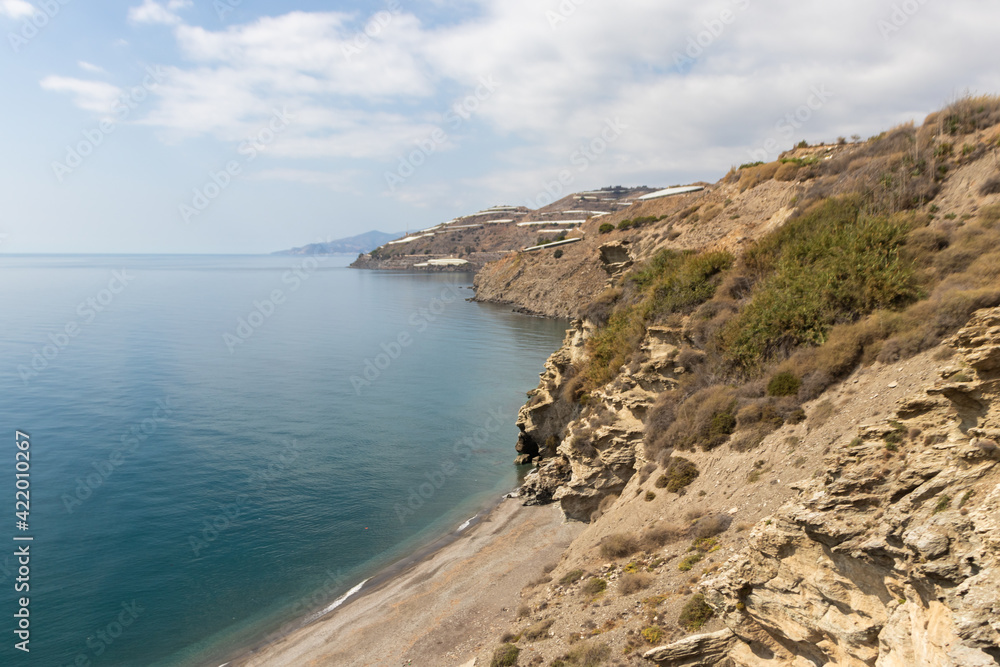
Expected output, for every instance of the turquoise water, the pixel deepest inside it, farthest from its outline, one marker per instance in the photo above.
(221, 445)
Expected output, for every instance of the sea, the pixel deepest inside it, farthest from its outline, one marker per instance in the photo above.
(213, 450)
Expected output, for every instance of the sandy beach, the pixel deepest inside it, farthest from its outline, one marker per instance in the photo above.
(445, 610)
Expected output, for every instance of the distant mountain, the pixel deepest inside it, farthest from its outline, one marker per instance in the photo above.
(352, 245)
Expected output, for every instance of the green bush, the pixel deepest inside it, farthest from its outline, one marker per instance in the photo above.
(606, 227)
(557, 254)
(784, 384)
(595, 586)
(572, 577)
(680, 473)
(505, 656)
(689, 562)
(828, 266)
(695, 613)
(652, 634)
(671, 282)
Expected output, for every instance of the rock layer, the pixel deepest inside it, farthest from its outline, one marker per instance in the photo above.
(892, 556)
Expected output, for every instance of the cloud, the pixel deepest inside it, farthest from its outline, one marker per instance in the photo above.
(16, 9)
(153, 12)
(96, 96)
(90, 67)
(699, 86)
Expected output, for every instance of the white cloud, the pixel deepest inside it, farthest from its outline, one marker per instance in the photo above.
(96, 96)
(151, 11)
(90, 67)
(16, 9)
(699, 85)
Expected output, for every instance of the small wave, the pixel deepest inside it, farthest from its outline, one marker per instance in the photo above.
(343, 598)
(465, 525)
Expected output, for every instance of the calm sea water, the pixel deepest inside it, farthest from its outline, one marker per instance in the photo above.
(220, 445)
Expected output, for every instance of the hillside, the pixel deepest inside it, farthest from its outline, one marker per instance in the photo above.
(469, 242)
(347, 246)
(777, 413)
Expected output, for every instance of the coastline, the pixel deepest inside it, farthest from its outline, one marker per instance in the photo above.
(441, 604)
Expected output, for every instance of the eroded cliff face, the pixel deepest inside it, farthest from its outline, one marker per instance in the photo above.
(892, 557)
(587, 454)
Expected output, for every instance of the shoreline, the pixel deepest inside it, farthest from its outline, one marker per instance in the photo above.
(523, 541)
(371, 582)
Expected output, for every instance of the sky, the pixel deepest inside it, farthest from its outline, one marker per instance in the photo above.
(243, 126)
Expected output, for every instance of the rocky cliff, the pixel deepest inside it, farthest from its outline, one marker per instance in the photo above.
(892, 556)
(830, 501)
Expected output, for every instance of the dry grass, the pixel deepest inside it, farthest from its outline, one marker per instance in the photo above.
(631, 583)
(539, 630)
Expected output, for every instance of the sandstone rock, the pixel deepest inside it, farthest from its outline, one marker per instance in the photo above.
(708, 650)
(826, 583)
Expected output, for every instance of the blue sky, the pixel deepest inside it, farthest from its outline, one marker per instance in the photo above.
(243, 126)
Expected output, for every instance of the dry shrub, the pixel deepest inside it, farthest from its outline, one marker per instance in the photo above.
(746, 440)
(989, 215)
(710, 526)
(969, 114)
(820, 414)
(706, 419)
(710, 212)
(786, 172)
(926, 240)
(620, 545)
(606, 503)
(573, 389)
(646, 471)
(709, 319)
(505, 656)
(688, 358)
(539, 630)
(680, 473)
(661, 417)
(695, 613)
(990, 187)
(589, 654)
(600, 309)
(633, 582)
(662, 534)
(751, 177)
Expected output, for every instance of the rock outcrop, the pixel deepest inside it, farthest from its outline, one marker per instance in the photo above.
(892, 557)
(587, 454)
